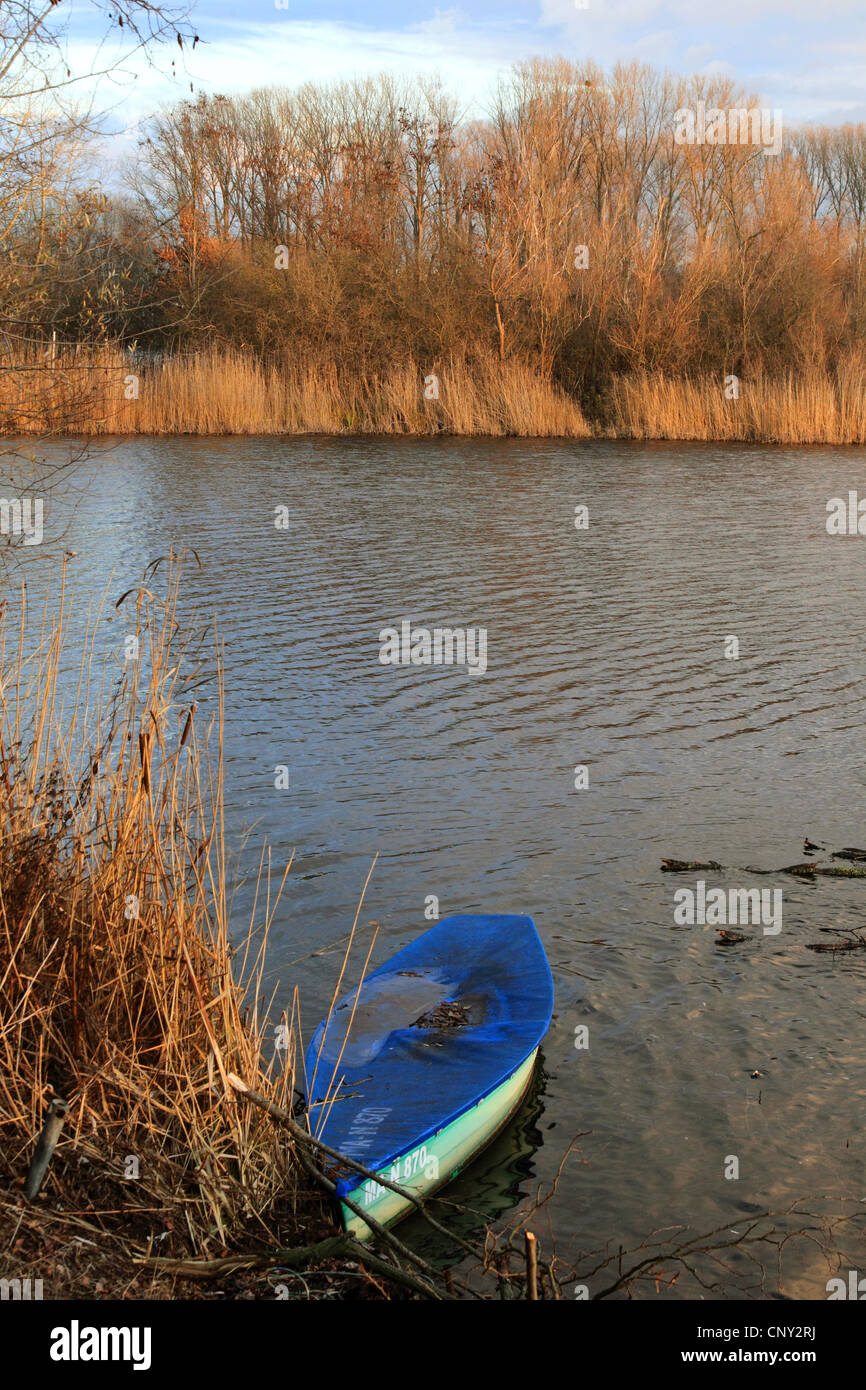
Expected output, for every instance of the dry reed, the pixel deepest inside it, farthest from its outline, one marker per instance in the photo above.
(228, 392)
(810, 407)
(117, 990)
(121, 994)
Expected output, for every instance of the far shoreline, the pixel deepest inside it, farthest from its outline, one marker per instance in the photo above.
(441, 436)
(111, 392)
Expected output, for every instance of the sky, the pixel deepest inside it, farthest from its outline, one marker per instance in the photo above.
(805, 57)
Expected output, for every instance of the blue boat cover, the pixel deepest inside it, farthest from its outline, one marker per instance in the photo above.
(384, 1083)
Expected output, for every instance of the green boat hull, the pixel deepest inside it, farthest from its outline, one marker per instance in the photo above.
(429, 1166)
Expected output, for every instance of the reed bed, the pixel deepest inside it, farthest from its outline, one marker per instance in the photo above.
(108, 391)
(225, 392)
(117, 987)
(811, 407)
(125, 999)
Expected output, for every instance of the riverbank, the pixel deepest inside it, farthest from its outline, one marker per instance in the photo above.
(152, 1140)
(216, 392)
(225, 392)
(132, 1021)
(119, 1002)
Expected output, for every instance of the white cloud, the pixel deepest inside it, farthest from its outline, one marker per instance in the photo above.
(794, 54)
(288, 52)
(443, 22)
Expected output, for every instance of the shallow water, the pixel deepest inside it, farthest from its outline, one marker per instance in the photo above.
(606, 648)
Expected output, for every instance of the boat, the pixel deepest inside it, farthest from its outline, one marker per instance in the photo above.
(415, 1071)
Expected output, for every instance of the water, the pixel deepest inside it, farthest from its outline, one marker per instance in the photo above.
(606, 648)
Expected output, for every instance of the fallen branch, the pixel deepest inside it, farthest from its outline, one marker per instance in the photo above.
(294, 1257)
(305, 1141)
(303, 1137)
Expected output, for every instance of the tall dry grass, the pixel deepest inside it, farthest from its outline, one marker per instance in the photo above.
(118, 991)
(225, 392)
(228, 392)
(810, 407)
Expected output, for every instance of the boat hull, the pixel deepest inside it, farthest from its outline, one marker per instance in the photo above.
(418, 1067)
(426, 1167)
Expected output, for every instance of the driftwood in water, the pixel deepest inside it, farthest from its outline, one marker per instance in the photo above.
(725, 937)
(855, 944)
(687, 866)
(854, 855)
(805, 870)
(825, 870)
(808, 870)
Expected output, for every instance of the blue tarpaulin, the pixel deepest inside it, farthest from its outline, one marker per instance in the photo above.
(481, 986)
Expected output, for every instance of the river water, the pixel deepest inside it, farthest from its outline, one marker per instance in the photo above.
(607, 649)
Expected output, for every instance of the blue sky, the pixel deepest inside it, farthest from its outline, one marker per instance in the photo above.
(807, 57)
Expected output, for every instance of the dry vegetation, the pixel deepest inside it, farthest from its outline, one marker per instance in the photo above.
(228, 392)
(117, 987)
(184, 1165)
(225, 392)
(810, 407)
(303, 260)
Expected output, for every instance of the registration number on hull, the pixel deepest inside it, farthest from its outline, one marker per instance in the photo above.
(418, 1161)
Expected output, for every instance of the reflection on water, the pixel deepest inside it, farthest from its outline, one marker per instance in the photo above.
(485, 1191)
(606, 649)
